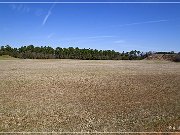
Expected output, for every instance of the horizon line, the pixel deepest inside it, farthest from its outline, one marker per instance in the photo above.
(88, 2)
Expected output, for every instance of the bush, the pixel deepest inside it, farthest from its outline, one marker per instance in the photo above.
(1, 53)
(177, 58)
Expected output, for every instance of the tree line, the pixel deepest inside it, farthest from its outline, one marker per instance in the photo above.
(172, 52)
(47, 52)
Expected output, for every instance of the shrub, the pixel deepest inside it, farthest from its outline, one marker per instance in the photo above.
(177, 58)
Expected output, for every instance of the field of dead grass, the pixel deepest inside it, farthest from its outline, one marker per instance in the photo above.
(89, 96)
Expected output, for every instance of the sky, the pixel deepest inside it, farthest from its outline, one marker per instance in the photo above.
(119, 27)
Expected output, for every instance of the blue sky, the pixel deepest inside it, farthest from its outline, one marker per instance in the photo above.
(120, 27)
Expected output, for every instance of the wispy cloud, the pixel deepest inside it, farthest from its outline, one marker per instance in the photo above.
(50, 35)
(20, 7)
(139, 23)
(119, 41)
(89, 37)
(96, 37)
(47, 15)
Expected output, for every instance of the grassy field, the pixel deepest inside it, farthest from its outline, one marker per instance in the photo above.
(80, 95)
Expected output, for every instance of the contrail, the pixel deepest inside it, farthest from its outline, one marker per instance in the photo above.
(137, 23)
(47, 15)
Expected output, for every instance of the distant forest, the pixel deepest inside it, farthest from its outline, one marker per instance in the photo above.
(47, 52)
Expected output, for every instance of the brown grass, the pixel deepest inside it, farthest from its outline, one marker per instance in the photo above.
(77, 96)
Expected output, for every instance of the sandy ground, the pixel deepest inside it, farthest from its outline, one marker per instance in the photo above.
(89, 96)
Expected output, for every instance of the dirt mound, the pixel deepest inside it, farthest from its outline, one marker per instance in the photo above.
(167, 57)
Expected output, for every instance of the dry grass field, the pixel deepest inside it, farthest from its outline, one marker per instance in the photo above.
(80, 96)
